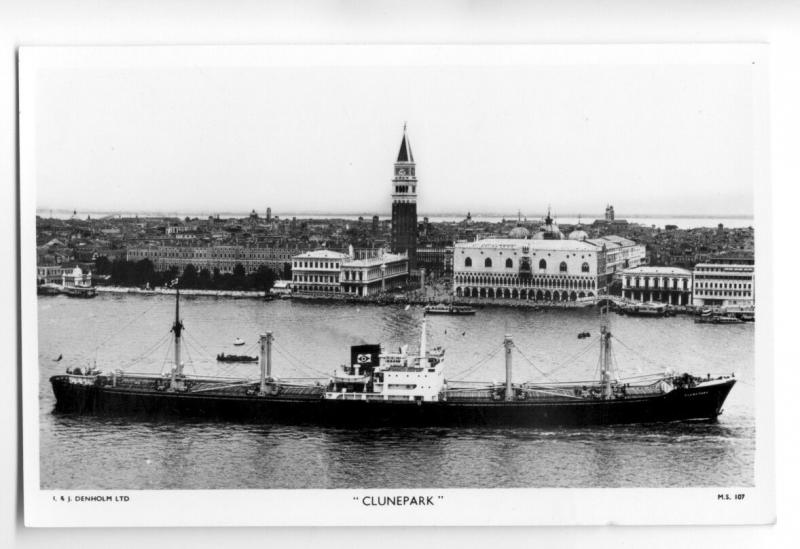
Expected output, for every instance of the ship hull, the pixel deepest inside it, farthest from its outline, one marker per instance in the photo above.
(696, 403)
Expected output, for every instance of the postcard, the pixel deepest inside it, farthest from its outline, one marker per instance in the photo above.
(396, 285)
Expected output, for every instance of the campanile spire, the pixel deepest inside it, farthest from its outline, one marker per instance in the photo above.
(404, 202)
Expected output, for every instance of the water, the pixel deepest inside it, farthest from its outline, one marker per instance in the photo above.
(312, 338)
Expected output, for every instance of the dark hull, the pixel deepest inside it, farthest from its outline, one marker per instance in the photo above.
(698, 403)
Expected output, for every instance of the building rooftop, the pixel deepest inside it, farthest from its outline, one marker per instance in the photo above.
(747, 265)
(655, 270)
(615, 239)
(534, 245)
(322, 254)
(373, 261)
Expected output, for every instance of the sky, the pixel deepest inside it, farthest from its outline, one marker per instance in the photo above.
(657, 139)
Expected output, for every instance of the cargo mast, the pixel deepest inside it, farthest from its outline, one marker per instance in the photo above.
(266, 360)
(606, 364)
(423, 345)
(508, 343)
(177, 327)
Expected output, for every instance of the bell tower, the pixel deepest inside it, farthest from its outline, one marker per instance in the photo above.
(404, 203)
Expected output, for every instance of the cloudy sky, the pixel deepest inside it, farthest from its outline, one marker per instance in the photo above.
(658, 139)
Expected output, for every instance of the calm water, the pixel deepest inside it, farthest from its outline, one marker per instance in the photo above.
(132, 333)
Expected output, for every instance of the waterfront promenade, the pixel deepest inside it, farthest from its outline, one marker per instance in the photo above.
(417, 297)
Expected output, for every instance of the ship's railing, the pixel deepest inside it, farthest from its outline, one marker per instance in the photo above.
(198, 383)
(637, 390)
(166, 376)
(551, 391)
(302, 390)
(469, 394)
(159, 375)
(76, 379)
(366, 396)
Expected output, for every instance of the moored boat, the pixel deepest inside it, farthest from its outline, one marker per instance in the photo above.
(707, 317)
(646, 309)
(69, 291)
(448, 309)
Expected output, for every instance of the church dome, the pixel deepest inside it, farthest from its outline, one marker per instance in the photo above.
(578, 234)
(550, 230)
(519, 232)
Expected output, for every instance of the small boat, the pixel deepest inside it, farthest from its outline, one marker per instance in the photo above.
(718, 319)
(646, 309)
(727, 319)
(238, 341)
(222, 357)
(445, 309)
(70, 291)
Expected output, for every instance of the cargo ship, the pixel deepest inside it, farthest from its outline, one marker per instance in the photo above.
(377, 387)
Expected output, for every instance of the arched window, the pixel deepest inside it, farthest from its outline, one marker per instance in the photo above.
(468, 262)
(585, 268)
(563, 267)
(542, 264)
(488, 262)
(509, 263)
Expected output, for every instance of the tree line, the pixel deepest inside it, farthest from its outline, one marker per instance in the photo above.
(141, 273)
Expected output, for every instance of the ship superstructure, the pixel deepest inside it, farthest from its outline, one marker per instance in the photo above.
(375, 375)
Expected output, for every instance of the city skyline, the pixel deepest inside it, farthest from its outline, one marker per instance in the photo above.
(526, 214)
(651, 139)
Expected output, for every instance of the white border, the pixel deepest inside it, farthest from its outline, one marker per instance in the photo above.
(338, 507)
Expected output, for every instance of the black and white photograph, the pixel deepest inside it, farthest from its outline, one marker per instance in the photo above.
(381, 284)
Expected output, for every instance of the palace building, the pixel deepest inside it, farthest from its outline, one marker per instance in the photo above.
(543, 267)
(326, 272)
(670, 285)
(404, 203)
(317, 271)
(725, 281)
(533, 269)
(216, 256)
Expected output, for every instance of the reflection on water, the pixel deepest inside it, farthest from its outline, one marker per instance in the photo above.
(116, 331)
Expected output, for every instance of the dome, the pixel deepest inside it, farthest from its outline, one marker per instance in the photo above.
(519, 232)
(549, 232)
(578, 234)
